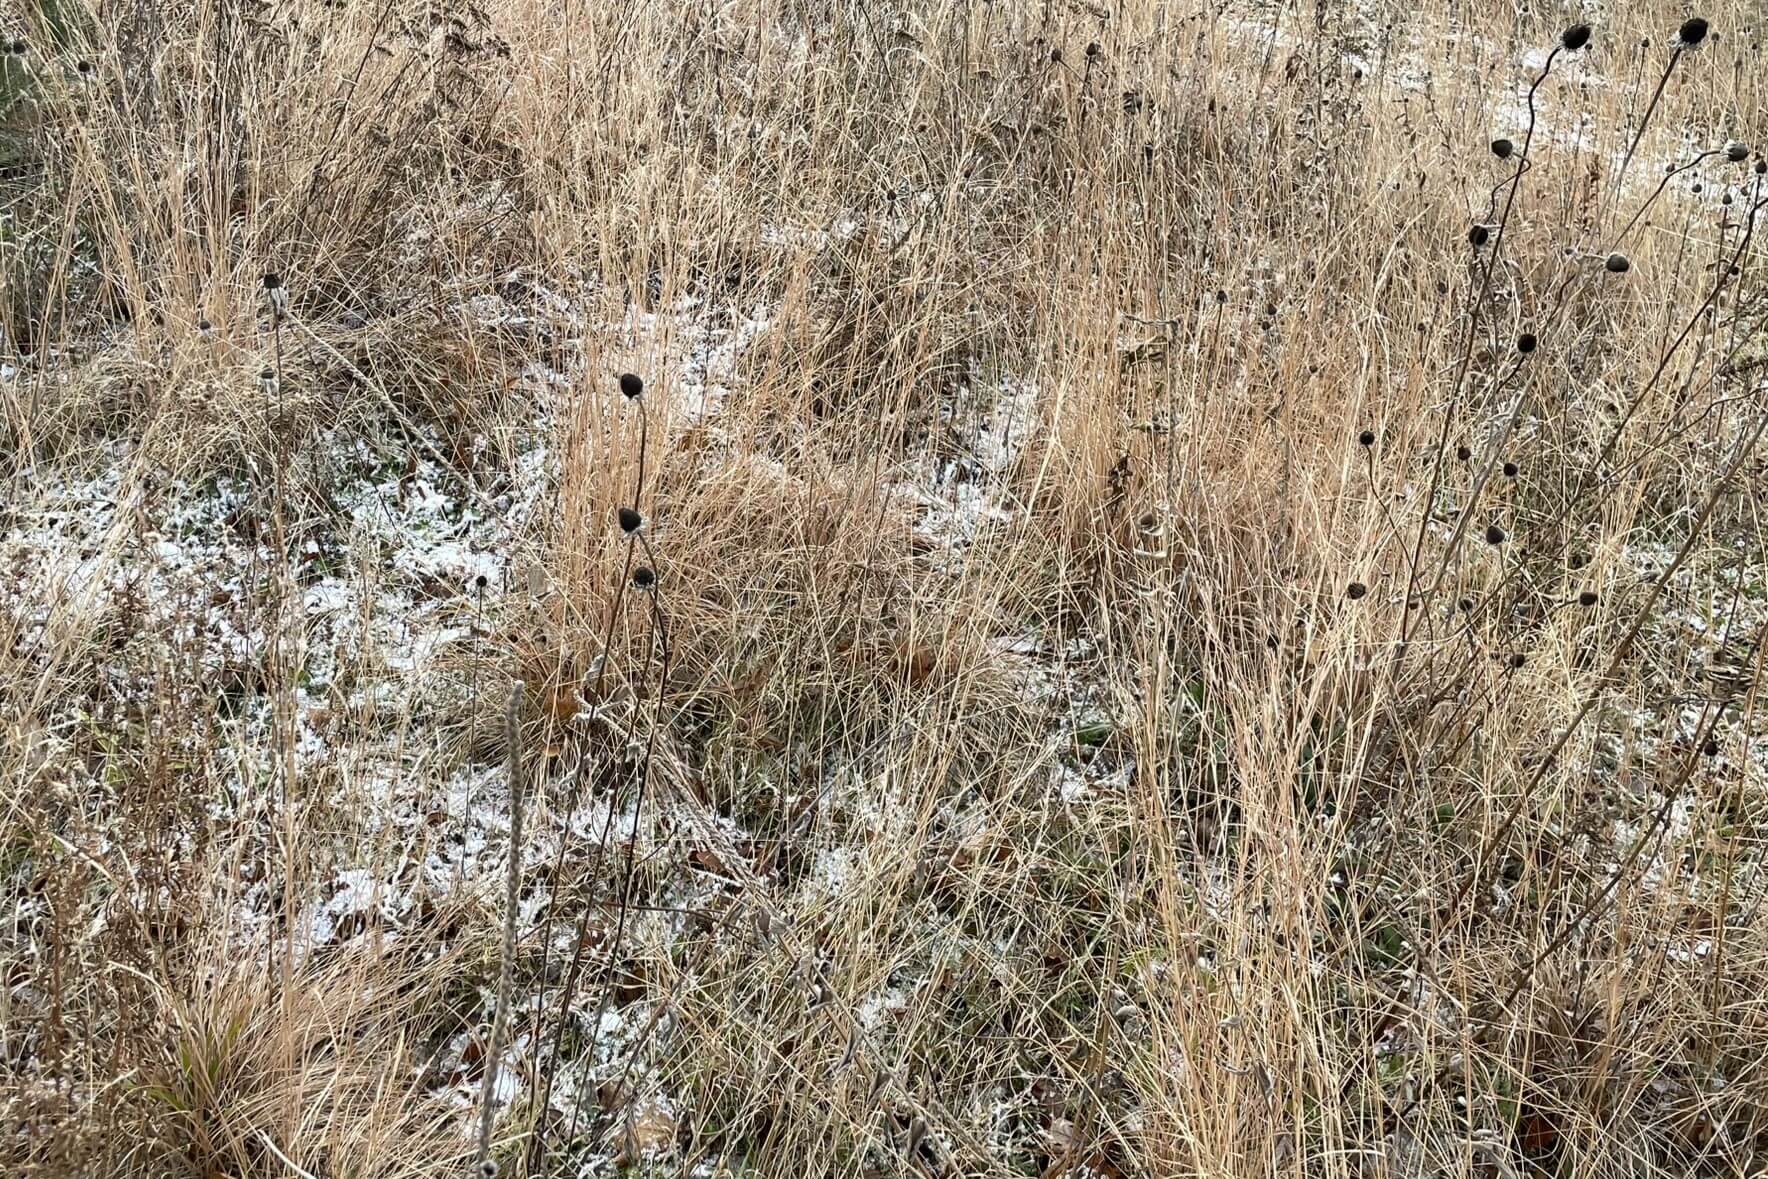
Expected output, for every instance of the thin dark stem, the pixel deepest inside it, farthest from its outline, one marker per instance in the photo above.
(1650, 108)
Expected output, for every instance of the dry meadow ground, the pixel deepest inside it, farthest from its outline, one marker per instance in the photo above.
(1183, 594)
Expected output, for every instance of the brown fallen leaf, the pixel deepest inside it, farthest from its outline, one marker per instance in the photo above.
(650, 1129)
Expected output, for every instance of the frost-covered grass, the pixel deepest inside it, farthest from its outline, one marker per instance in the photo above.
(1054, 742)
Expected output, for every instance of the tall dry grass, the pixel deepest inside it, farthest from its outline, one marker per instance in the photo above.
(1090, 715)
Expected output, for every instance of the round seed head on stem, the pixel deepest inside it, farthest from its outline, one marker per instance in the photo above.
(1575, 38)
(631, 384)
(1692, 32)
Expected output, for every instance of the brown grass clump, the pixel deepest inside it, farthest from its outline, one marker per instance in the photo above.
(1079, 592)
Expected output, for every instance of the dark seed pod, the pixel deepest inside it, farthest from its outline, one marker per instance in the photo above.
(18, 48)
(1478, 236)
(1710, 748)
(1516, 660)
(1526, 342)
(1355, 590)
(644, 578)
(1094, 49)
(272, 281)
(1587, 598)
(630, 520)
(1762, 167)
(1466, 605)
(1617, 264)
(1494, 534)
(1737, 152)
(631, 384)
(1503, 148)
(1575, 38)
(1692, 32)
(1510, 470)
(1463, 453)
(1366, 438)
(480, 582)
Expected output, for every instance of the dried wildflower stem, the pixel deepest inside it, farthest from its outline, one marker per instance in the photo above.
(659, 636)
(573, 971)
(1648, 836)
(1466, 361)
(512, 901)
(1745, 449)
(1650, 109)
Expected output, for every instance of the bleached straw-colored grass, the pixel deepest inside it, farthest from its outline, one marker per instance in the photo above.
(978, 763)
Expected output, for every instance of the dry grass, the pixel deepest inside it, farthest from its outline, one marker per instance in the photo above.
(1056, 742)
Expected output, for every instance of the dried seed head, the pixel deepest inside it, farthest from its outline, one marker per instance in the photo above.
(1478, 236)
(1737, 152)
(1516, 660)
(1494, 534)
(1587, 598)
(1710, 748)
(18, 48)
(1366, 438)
(488, 1169)
(1355, 590)
(1526, 342)
(1466, 605)
(1762, 167)
(1503, 148)
(83, 68)
(1692, 32)
(1617, 264)
(480, 582)
(631, 385)
(630, 520)
(1510, 470)
(1094, 49)
(644, 578)
(205, 328)
(1463, 453)
(1575, 38)
(272, 280)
